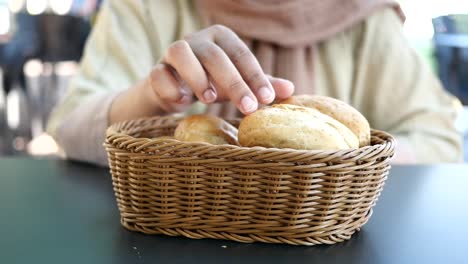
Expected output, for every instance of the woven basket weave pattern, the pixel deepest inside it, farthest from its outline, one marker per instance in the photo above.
(198, 190)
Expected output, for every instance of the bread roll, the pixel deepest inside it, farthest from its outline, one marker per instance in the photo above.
(296, 127)
(206, 128)
(339, 110)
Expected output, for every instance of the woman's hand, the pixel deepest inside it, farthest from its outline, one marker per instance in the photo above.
(213, 64)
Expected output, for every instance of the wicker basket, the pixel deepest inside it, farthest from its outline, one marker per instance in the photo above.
(199, 190)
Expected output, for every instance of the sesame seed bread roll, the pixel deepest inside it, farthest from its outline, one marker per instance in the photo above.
(339, 110)
(296, 127)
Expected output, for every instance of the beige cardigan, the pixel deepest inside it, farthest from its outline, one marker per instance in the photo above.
(371, 66)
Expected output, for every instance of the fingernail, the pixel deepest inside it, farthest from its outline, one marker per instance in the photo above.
(209, 95)
(248, 105)
(265, 94)
(184, 99)
(184, 91)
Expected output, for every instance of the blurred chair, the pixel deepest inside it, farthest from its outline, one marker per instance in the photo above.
(18, 117)
(451, 48)
(46, 83)
(3, 125)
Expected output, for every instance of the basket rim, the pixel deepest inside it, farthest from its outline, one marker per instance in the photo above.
(114, 135)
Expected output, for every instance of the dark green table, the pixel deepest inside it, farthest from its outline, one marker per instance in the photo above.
(63, 212)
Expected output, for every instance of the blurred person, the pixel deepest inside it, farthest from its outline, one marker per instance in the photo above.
(22, 46)
(63, 37)
(452, 60)
(147, 58)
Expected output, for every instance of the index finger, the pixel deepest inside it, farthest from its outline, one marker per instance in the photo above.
(244, 61)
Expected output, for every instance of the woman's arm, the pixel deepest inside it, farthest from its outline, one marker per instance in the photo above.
(120, 50)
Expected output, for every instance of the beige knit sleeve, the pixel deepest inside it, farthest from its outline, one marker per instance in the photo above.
(397, 92)
(120, 51)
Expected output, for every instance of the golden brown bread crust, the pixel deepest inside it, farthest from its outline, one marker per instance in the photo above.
(206, 128)
(296, 127)
(339, 110)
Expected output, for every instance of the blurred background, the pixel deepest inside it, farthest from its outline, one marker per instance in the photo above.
(41, 43)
